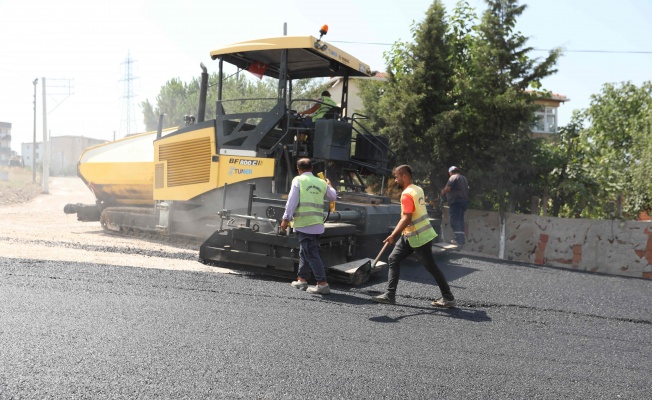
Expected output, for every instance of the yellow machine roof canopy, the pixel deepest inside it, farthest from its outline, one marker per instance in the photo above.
(307, 57)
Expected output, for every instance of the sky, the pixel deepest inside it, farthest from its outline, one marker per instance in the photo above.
(81, 47)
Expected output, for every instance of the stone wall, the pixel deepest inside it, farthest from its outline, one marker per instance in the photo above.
(610, 247)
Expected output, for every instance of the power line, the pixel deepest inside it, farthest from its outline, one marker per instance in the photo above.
(379, 44)
(63, 87)
(564, 50)
(600, 51)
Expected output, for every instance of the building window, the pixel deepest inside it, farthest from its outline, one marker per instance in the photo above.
(545, 120)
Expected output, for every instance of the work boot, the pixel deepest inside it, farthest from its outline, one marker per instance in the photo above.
(303, 285)
(385, 298)
(319, 289)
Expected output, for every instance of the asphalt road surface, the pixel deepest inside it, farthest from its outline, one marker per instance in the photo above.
(89, 329)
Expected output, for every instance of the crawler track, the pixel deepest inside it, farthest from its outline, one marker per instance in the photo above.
(140, 223)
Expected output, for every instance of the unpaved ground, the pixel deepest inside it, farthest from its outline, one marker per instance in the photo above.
(39, 230)
(10, 194)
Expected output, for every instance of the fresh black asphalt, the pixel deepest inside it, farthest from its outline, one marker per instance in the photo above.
(88, 331)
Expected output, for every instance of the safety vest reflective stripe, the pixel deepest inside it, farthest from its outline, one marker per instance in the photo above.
(418, 231)
(310, 210)
(412, 228)
(315, 205)
(421, 218)
(308, 214)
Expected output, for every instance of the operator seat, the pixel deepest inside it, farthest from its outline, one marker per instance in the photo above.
(333, 113)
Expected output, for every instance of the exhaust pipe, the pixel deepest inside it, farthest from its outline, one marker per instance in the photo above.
(203, 90)
(159, 130)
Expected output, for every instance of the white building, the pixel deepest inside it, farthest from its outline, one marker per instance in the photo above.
(64, 153)
(27, 154)
(5, 143)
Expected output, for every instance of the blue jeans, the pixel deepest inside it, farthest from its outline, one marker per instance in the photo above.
(309, 258)
(402, 250)
(456, 211)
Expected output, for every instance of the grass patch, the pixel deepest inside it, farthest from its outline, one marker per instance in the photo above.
(16, 176)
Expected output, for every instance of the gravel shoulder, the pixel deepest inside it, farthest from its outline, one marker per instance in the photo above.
(34, 226)
(15, 194)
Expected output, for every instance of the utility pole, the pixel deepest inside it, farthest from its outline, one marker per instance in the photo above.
(34, 138)
(46, 167)
(46, 146)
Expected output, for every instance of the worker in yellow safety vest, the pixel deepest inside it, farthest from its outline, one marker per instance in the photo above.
(322, 105)
(413, 234)
(305, 207)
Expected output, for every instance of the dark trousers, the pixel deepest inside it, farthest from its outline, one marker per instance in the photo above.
(309, 258)
(456, 211)
(307, 122)
(402, 250)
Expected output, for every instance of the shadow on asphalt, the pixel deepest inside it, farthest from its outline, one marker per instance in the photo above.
(457, 313)
(412, 270)
(471, 315)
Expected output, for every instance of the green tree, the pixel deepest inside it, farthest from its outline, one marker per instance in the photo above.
(603, 161)
(497, 110)
(413, 108)
(642, 170)
(459, 96)
(177, 99)
(617, 142)
(573, 191)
